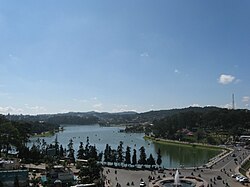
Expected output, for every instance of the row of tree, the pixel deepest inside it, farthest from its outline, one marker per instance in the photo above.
(40, 151)
(120, 157)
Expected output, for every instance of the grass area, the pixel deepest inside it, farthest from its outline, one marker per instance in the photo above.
(186, 144)
(45, 134)
(245, 167)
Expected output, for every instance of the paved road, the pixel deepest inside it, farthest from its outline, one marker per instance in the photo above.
(224, 168)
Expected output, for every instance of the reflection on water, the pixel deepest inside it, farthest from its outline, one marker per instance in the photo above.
(172, 155)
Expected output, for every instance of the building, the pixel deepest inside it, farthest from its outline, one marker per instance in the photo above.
(9, 164)
(9, 177)
(60, 173)
(244, 138)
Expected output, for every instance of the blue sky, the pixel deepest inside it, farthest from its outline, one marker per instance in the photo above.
(59, 56)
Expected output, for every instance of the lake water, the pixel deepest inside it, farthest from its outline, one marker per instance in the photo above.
(172, 155)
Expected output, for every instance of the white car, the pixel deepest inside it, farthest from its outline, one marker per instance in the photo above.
(238, 178)
(142, 184)
(243, 180)
(234, 175)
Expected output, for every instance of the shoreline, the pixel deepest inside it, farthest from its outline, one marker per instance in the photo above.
(186, 144)
(44, 134)
(224, 151)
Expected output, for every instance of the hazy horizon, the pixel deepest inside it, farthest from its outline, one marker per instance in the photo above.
(127, 111)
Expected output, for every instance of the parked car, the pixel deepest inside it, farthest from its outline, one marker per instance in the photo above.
(219, 177)
(238, 178)
(160, 170)
(142, 184)
(244, 180)
(234, 175)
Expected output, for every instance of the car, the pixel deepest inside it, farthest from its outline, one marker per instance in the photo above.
(238, 178)
(234, 175)
(142, 184)
(161, 170)
(244, 180)
(219, 177)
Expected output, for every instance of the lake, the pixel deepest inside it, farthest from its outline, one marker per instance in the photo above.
(172, 155)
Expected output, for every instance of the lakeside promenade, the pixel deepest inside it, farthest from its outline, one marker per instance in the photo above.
(224, 167)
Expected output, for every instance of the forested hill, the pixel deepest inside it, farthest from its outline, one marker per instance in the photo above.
(106, 118)
(160, 114)
(211, 126)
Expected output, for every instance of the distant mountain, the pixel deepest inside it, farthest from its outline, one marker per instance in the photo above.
(93, 117)
(159, 114)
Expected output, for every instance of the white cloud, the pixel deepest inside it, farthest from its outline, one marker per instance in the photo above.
(195, 105)
(226, 79)
(81, 100)
(228, 106)
(35, 109)
(98, 105)
(122, 108)
(11, 110)
(176, 71)
(237, 81)
(14, 59)
(144, 54)
(94, 98)
(245, 99)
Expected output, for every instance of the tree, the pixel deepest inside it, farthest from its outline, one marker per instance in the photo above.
(57, 146)
(159, 160)
(120, 153)
(86, 150)
(128, 156)
(34, 153)
(134, 158)
(93, 152)
(143, 157)
(9, 136)
(90, 173)
(61, 152)
(113, 156)
(151, 160)
(71, 151)
(80, 153)
(43, 147)
(107, 154)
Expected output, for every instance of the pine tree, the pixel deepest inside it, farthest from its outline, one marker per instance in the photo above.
(134, 158)
(107, 154)
(71, 151)
(93, 152)
(143, 156)
(86, 150)
(57, 146)
(120, 157)
(61, 151)
(151, 160)
(127, 156)
(80, 153)
(113, 156)
(159, 160)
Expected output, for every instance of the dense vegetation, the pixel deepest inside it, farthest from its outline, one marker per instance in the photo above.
(70, 118)
(16, 134)
(205, 126)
